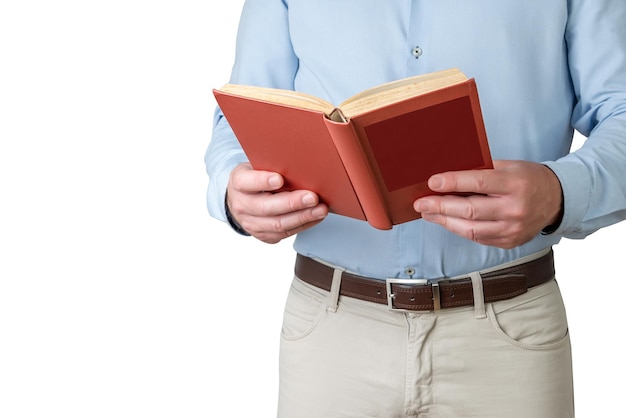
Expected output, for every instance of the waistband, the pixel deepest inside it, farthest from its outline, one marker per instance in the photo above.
(500, 283)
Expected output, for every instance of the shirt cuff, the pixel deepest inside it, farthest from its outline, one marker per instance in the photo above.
(231, 220)
(576, 189)
(552, 228)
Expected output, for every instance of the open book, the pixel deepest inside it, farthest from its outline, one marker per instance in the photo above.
(370, 157)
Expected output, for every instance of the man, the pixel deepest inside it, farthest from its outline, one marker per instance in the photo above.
(481, 330)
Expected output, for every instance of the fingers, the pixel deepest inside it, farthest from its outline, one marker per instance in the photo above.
(246, 180)
(273, 229)
(487, 220)
(283, 210)
(267, 214)
(507, 206)
(262, 204)
(498, 233)
(474, 207)
(472, 181)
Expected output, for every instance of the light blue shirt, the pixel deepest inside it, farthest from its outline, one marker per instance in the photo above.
(543, 68)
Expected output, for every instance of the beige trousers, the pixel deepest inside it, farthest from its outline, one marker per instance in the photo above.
(343, 357)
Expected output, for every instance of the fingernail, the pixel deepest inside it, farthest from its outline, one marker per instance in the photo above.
(319, 212)
(422, 206)
(308, 199)
(435, 182)
(274, 181)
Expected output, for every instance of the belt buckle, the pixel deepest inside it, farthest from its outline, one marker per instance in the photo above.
(434, 284)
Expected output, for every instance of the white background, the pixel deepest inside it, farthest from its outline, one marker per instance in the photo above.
(119, 295)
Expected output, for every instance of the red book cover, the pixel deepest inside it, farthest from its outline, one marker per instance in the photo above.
(295, 143)
(371, 166)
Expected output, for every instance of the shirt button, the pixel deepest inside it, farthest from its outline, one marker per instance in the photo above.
(409, 271)
(417, 52)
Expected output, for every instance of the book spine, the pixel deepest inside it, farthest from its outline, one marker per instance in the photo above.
(480, 124)
(363, 180)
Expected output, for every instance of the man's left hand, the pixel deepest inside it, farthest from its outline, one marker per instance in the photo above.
(506, 206)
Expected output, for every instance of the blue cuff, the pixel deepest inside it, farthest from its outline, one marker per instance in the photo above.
(576, 186)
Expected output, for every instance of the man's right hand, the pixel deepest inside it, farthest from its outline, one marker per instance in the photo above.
(268, 215)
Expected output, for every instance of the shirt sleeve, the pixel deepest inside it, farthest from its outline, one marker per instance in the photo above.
(594, 177)
(264, 57)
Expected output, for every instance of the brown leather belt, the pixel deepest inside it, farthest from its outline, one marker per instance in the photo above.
(425, 295)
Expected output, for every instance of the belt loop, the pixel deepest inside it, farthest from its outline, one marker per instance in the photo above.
(479, 297)
(333, 297)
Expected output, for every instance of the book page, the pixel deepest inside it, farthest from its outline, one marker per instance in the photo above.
(394, 91)
(280, 96)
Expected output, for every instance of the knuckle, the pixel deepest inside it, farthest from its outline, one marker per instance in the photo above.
(292, 203)
(236, 179)
(261, 207)
(480, 183)
(235, 183)
(472, 234)
(305, 217)
(516, 231)
(277, 226)
(470, 212)
(517, 212)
